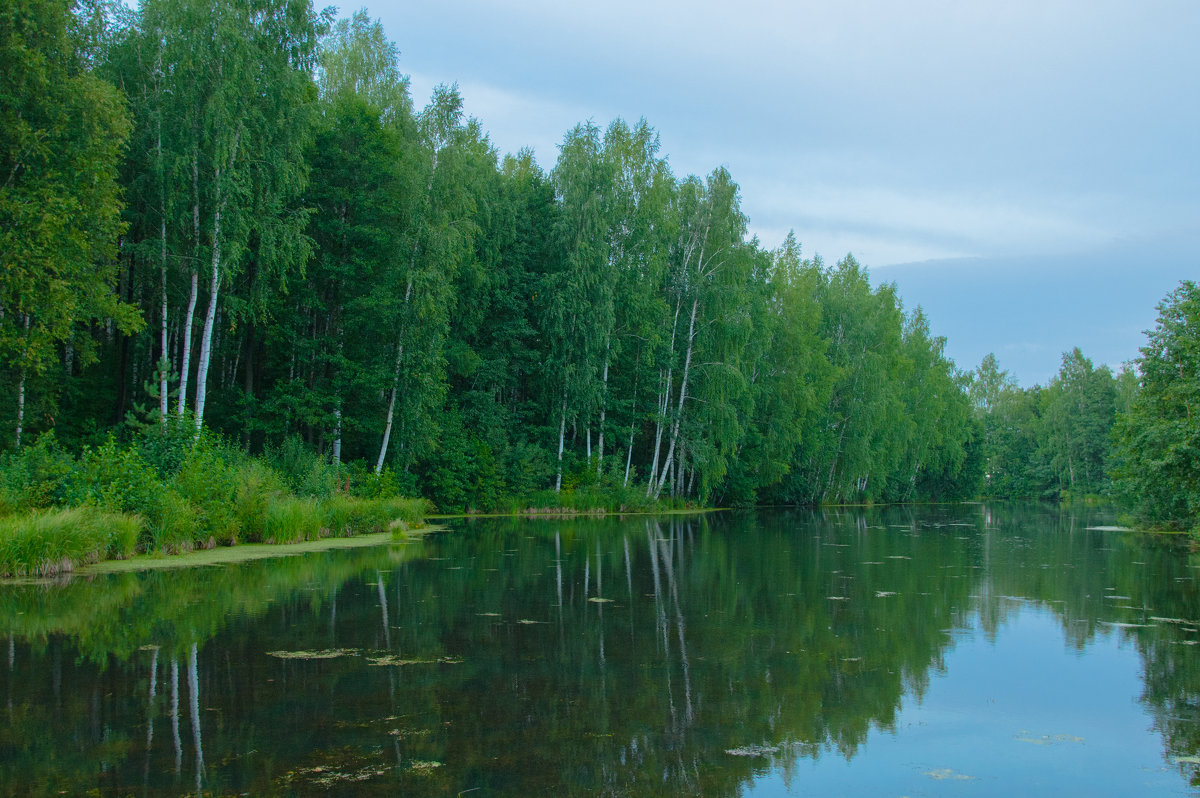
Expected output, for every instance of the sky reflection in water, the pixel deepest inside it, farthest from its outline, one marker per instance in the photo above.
(940, 651)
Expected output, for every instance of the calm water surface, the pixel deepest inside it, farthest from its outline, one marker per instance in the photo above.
(966, 651)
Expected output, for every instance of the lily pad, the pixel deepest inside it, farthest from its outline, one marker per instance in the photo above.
(329, 653)
(753, 750)
(420, 766)
(391, 660)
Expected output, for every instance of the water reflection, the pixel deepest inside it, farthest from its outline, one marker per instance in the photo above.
(678, 655)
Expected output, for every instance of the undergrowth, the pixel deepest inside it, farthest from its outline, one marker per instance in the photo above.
(169, 491)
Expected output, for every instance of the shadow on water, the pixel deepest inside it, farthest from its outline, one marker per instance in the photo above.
(639, 656)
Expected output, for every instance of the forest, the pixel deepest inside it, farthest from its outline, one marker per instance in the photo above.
(227, 228)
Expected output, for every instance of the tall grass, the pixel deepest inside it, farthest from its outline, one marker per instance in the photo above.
(45, 542)
(172, 523)
(292, 520)
(346, 515)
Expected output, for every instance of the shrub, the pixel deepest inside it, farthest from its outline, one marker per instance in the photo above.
(172, 523)
(339, 515)
(257, 488)
(305, 472)
(33, 477)
(345, 515)
(112, 477)
(365, 483)
(207, 482)
(166, 446)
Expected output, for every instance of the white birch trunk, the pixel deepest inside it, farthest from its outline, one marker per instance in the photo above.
(683, 384)
(337, 432)
(21, 393)
(664, 403)
(387, 428)
(210, 315)
(562, 436)
(185, 365)
(391, 413)
(633, 423)
(165, 359)
(603, 413)
(629, 452)
(20, 406)
(190, 317)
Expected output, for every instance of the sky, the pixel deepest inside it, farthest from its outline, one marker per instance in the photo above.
(1028, 172)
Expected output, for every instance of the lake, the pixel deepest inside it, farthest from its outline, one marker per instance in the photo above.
(965, 650)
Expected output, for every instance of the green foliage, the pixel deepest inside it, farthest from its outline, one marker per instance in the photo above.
(304, 472)
(291, 520)
(1051, 442)
(61, 135)
(165, 446)
(1158, 439)
(172, 523)
(45, 542)
(395, 310)
(33, 477)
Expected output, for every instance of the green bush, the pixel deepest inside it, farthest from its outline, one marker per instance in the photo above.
(172, 523)
(166, 446)
(115, 478)
(257, 488)
(305, 472)
(346, 515)
(34, 476)
(366, 484)
(207, 482)
(340, 515)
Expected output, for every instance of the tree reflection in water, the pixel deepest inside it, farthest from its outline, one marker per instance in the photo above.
(508, 654)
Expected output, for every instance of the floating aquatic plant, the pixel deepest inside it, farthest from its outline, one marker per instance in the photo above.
(331, 653)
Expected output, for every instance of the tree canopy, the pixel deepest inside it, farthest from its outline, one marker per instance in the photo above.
(237, 214)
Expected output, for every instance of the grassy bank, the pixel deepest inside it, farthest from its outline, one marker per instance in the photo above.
(166, 491)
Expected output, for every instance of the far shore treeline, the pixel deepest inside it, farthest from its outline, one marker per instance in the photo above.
(231, 243)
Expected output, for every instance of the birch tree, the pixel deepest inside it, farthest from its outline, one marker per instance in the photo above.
(580, 307)
(440, 238)
(711, 228)
(249, 114)
(639, 230)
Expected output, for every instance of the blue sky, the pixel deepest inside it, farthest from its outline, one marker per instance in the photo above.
(1034, 158)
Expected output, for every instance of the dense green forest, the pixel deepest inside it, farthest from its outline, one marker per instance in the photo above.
(231, 217)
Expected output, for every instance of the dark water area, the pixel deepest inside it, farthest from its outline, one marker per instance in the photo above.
(956, 650)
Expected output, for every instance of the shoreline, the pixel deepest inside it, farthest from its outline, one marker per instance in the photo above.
(232, 555)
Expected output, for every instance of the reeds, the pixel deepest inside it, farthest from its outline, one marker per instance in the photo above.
(292, 520)
(46, 542)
